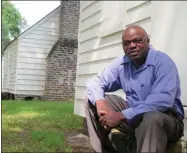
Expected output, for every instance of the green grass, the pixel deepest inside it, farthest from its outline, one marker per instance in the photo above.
(36, 126)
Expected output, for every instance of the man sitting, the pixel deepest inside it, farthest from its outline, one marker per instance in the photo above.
(153, 112)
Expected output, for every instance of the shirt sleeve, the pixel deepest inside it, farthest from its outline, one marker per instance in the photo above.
(106, 81)
(163, 91)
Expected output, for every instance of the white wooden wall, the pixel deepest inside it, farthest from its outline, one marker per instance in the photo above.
(9, 67)
(33, 49)
(100, 30)
(25, 58)
(2, 73)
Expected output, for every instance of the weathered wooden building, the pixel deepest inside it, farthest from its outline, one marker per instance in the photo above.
(42, 60)
(100, 30)
(25, 57)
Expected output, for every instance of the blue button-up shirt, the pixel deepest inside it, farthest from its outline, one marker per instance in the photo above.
(155, 86)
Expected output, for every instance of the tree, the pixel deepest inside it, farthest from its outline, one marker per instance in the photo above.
(12, 22)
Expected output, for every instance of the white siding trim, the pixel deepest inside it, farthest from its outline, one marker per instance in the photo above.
(95, 8)
(40, 22)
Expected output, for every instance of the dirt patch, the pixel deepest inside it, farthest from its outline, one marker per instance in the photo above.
(82, 149)
(78, 141)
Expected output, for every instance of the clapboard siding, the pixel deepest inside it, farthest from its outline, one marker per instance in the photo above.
(90, 10)
(111, 39)
(130, 5)
(30, 92)
(51, 25)
(25, 77)
(92, 21)
(145, 22)
(93, 67)
(89, 33)
(41, 37)
(142, 10)
(78, 108)
(31, 72)
(55, 18)
(30, 82)
(46, 31)
(29, 87)
(32, 55)
(2, 72)
(101, 53)
(88, 45)
(82, 80)
(5, 78)
(25, 57)
(10, 60)
(80, 93)
(86, 4)
(29, 60)
(36, 66)
(39, 50)
(38, 41)
(37, 45)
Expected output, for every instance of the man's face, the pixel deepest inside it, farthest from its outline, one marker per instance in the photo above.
(135, 43)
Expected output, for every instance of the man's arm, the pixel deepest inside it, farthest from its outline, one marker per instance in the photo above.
(163, 91)
(107, 81)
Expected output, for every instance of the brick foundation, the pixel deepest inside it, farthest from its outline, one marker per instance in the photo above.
(27, 97)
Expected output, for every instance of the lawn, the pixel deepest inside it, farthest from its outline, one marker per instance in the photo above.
(36, 126)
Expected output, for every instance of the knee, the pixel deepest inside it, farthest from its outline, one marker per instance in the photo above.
(153, 118)
(109, 97)
(86, 102)
(113, 98)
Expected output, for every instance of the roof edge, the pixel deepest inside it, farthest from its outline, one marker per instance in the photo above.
(30, 27)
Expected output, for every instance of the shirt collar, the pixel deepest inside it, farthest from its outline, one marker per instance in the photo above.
(150, 60)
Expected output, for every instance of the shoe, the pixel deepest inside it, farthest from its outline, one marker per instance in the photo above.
(122, 142)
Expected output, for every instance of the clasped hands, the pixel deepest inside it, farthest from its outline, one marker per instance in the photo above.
(107, 117)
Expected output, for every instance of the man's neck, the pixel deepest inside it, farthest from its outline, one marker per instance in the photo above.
(139, 62)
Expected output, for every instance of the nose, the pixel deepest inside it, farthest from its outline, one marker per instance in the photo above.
(132, 45)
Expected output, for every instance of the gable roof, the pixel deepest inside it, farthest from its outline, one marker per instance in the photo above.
(34, 26)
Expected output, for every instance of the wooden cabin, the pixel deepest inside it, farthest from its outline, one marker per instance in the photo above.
(24, 59)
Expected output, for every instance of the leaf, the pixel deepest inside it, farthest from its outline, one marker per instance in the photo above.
(12, 22)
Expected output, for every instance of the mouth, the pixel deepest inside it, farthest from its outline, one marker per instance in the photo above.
(134, 53)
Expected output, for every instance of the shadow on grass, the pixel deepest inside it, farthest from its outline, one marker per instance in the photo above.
(37, 126)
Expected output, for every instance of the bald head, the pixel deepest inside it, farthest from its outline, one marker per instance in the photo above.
(135, 29)
(135, 42)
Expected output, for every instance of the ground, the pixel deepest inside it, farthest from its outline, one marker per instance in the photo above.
(78, 141)
(38, 126)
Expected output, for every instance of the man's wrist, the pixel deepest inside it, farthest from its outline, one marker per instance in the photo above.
(100, 103)
(121, 116)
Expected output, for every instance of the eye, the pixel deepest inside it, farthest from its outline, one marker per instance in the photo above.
(126, 43)
(138, 40)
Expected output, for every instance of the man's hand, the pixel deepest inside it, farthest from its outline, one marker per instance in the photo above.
(102, 106)
(111, 119)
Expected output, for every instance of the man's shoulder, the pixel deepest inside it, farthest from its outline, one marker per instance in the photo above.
(162, 58)
(118, 60)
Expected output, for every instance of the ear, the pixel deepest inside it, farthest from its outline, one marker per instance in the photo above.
(148, 39)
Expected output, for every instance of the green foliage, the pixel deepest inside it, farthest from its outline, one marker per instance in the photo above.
(12, 22)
